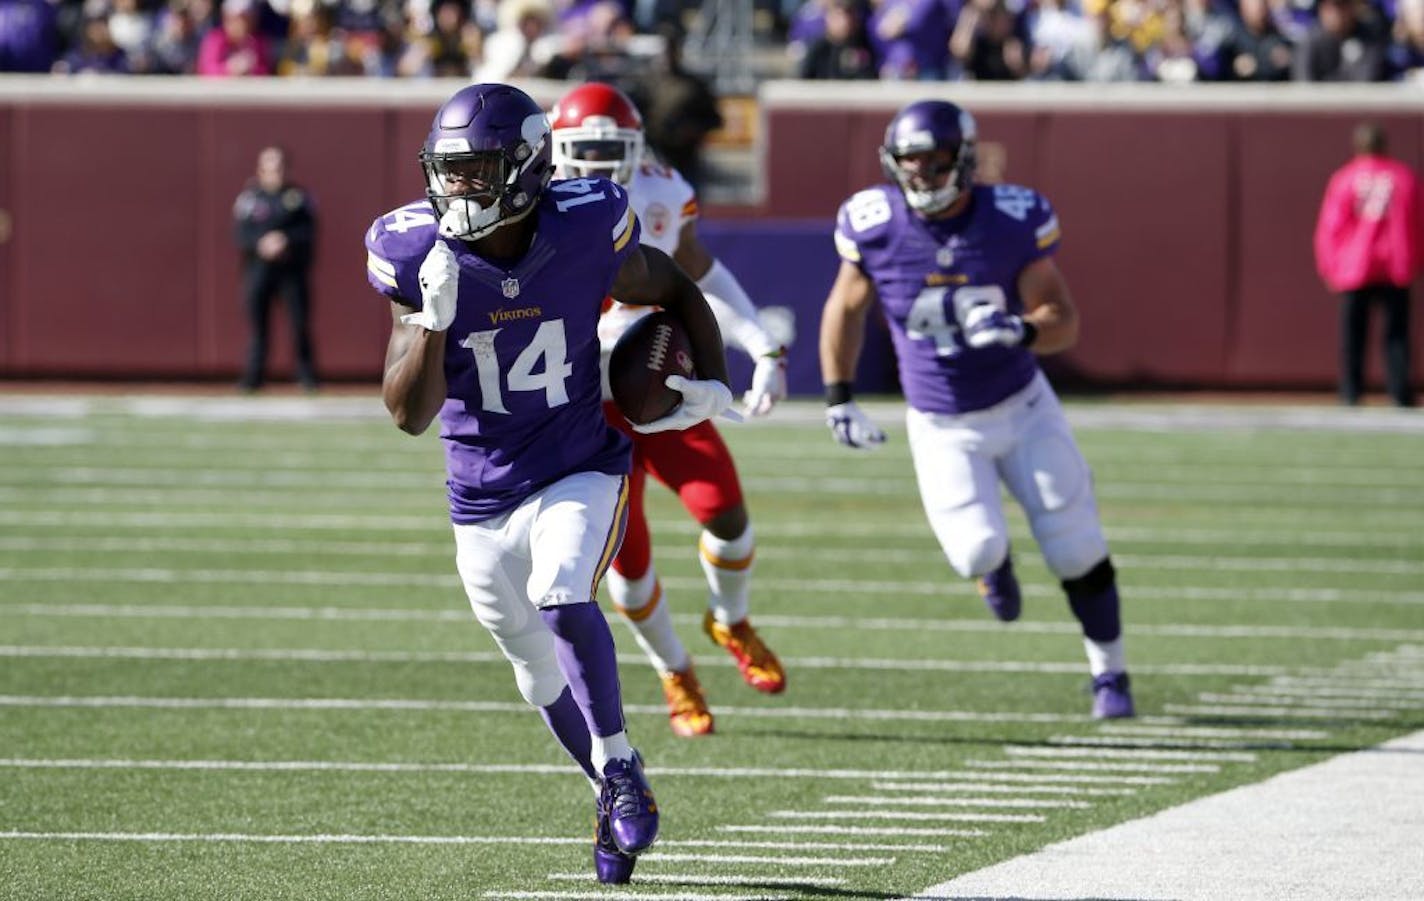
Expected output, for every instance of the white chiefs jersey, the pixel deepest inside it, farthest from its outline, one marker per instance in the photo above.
(664, 202)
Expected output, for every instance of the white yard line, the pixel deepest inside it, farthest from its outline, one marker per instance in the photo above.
(1007, 788)
(604, 894)
(1347, 829)
(906, 815)
(768, 527)
(708, 879)
(421, 705)
(314, 839)
(837, 623)
(947, 801)
(948, 587)
(321, 655)
(1098, 766)
(442, 551)
(908, 831)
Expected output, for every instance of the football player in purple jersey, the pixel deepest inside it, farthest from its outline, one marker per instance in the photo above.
(496, 281)
(965, 276)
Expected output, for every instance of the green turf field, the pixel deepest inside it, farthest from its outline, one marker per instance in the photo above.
(237, 662)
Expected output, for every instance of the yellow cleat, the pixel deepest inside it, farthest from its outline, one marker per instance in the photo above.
(687, 708)
(759, 666)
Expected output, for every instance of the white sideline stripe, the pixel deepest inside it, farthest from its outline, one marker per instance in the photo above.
(915, 831)
(320, 655)
(604, 895)
(1215, 732)
(186, 520)
(441, 551)
(1287, 712)
(1128, 754)
(320, 839)
(1341, 691)
(889, 624)
(906, 815)
(1002, 787)
(703, 879)
(1341, 830)
(769, 861)
(517, 768)
(1151, 741)
(991, 803)
(1093, 766)
(411, 704)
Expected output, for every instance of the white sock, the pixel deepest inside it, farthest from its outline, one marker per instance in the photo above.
(1105, 656)
(640, 603)
(610, 747)
(728, 566)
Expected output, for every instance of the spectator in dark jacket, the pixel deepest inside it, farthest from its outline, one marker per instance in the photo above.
(1347, 43)
(843, 50)
(1256, 50)
(275, 227)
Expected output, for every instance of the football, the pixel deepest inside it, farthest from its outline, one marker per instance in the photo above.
(654, 347)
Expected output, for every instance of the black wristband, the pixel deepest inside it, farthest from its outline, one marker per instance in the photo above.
(1030, 333)
(837, 393)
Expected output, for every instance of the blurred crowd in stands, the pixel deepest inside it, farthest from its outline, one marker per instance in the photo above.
(618, 40)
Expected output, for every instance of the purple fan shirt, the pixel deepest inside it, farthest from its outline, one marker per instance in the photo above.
(926, 271)
(521, 359)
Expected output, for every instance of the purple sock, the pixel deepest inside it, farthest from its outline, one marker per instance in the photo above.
(586, 654)
(565, 720)
(1098, 612)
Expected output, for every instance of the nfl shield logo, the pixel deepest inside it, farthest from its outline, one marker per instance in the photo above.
(945, 257)
(510, 287)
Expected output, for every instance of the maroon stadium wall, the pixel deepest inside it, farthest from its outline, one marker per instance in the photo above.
(1187, 218)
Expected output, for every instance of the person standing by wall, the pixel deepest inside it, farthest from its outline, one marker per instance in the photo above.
(275, 227)
(1367, 247)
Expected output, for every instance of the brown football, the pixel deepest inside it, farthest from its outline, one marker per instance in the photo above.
(654, 347)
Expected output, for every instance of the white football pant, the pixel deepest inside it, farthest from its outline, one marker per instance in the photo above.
(1025, 441)
(552, 549)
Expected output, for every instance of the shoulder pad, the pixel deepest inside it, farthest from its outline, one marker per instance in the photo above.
(397, 242)
(864, 218)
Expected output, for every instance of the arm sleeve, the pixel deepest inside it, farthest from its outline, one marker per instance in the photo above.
(735, 312)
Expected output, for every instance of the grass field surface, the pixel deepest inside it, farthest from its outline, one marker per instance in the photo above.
(237, 662)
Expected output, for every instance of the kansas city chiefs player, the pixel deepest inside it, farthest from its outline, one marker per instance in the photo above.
(598, 131)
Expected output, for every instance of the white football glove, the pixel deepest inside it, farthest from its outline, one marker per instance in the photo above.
(852, 427)
(768, 384)
(439, 283)
(702, 399)
(986, 325)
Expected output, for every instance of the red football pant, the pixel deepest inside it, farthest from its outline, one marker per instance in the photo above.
(695, 463)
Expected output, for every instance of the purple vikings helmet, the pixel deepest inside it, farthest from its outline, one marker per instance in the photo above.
(924, 126)
(493, 140)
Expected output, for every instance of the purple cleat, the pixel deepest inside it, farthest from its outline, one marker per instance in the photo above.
(1112, 697)
(611, 865)
(632, 812)
(1000, 590)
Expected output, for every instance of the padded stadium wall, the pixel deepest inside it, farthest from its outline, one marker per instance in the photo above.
(1187, 217)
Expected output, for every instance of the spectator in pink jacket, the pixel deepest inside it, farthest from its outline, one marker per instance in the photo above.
(235, 47)
(1367, 247)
